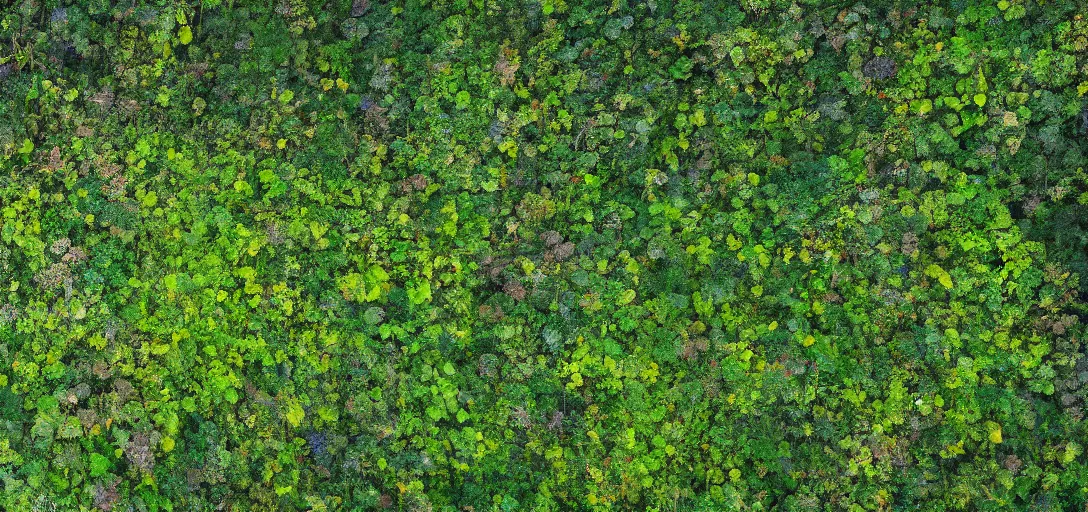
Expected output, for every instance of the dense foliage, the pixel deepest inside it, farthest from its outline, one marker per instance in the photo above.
(499, 255)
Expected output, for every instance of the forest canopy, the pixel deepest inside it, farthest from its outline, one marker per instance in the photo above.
(546, 255)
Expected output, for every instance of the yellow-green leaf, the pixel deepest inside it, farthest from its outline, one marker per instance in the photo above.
(150, 199)
(295, 413)
(945, 280)
(935, 271)
(185, 34)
